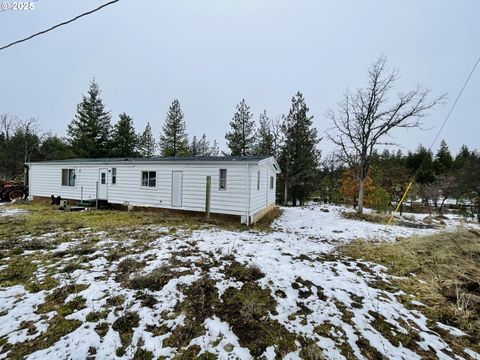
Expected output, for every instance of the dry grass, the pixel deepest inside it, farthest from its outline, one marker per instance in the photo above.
(42, 218)
(442, 271)
(265, 222)
(371, 217)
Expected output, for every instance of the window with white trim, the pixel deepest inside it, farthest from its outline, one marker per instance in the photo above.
(68, 177)
(149, 178)
(114, 176)
(222, 181)
(271, 182)
(258, 180)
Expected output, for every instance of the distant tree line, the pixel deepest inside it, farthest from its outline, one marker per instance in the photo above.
(438, 179)
(355, 173)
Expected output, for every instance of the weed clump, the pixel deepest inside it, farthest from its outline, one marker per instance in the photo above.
(129, 265)
(126, 267)
(146, 299)
(153, 281)
(55, 301)
(124, 326)
(19, 271)
(200, 303)
(243, 273)
(248, 311)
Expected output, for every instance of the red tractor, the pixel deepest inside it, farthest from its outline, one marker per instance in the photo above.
(10, 190)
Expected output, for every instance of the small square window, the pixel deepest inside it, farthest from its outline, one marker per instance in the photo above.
(149, 178)
(68, 177)
(222, 183)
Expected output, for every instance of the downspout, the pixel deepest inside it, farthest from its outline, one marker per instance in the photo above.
(267, 187)
(248, 195)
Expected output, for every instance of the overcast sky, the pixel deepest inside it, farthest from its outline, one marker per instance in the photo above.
(212, 53)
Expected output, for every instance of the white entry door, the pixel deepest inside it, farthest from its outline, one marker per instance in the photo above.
(103, 184)
(177, 188)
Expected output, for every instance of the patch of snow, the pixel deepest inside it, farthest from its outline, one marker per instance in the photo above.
(452, 330)
(11, 211)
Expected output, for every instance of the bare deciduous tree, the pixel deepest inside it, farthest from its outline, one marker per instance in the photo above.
(7, 128)
(367, 116)
(31, 137)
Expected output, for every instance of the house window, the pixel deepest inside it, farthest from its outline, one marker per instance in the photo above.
(222, 183)
(149, 178)
(114, 176)
(271, 182)
(68, 177)
(258, 180)
(103, 178)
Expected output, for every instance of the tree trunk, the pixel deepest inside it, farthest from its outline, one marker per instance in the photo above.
(285, 191)
(478, 208)
(361, 193)
(441, 205)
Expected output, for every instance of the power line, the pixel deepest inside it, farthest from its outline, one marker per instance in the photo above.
(435, 139)
(455, 103)
(58, 25)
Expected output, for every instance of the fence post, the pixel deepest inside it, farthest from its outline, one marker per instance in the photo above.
(96, 196)
(208, 192)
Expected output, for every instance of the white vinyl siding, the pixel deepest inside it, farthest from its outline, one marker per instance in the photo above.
(262, 194)
(128, 189)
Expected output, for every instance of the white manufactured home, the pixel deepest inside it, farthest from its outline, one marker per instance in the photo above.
(242, 186)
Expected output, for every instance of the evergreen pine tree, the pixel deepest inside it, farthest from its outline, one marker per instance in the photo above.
(146, 143)
(124, 139)
(55, 148)
(204, 146)
(299, 156)
(194, 148)
(89, 131)
(173, 141)
(422, 161)
(265, 137)
(241, 137)
(463, 157)
(443, 159)
(215, 149)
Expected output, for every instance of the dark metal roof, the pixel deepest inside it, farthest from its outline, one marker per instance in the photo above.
(160, 159)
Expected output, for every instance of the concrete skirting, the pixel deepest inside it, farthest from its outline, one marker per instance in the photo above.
(256, 217)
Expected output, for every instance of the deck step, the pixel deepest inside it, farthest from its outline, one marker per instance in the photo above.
(93, 202)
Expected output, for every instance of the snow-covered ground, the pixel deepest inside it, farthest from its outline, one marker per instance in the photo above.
(329, 300)
(6, 210)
